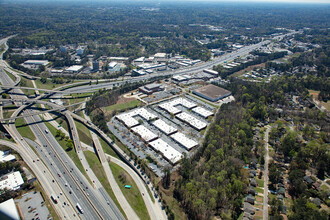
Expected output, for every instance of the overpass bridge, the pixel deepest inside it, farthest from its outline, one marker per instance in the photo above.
(54, 106)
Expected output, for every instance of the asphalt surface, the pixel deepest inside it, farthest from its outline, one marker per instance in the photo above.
(265, 205)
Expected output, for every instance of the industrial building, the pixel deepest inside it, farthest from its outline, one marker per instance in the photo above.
(96, 65)
(4, 157)
(212, 72)
(191, 120)
(170, 154)
(170, 106)
(144, 133)
(183, 140)
(8, 210)
(151, 88)
(129, 121)
(202, 111)
(167, 129)
(212, 93)
(36, 62)
(11, 181)
(74, 69)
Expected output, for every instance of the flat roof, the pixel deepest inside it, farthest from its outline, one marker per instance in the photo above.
(194, 122)
(112, 64)
(36, 62)
(170, 106)
(4, 157)
(144, 132)
(168, 151)
(212, 91)
(8, 208)
(161, 125)
(74, 68)
(128, 119)
(182, 139)
(202, 111)
(11, 181)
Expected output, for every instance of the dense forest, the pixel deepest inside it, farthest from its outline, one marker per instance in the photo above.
(126, 29)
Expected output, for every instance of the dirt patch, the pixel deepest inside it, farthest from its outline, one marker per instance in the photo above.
(122, 100)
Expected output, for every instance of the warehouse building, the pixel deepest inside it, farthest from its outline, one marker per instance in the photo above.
(167, 129)
(144, 133)
(11, 181)
(8, 210)
(202, 111)
(151, 88)
(192, 121)
(170, 154)
(4, 157)
(212, 93)
(36, 62)
(183, 140)
(129, 121)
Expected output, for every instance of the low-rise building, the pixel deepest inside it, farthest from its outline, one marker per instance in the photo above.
(11, 181)
(212, 93)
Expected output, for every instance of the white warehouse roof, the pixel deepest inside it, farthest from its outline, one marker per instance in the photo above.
(194, 122)
(127, 119)
(202, 111)
(11, 181)
(145, 133)
(182, 139)
(169, 152)
(169, 106)
(36, 62)
(167, 129)
(8, 208)
(74, 68)
(4, 158)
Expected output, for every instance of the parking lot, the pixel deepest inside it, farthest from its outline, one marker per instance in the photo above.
(32, 206)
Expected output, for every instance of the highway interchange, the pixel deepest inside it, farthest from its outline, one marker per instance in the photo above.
(54, 169)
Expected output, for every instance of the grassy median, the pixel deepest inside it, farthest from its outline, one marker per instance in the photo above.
(132, 195)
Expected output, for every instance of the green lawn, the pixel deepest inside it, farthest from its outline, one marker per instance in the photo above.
(11, 75)
(132, 195)
(107, 149)
(47, 85)
(95, 164)
(24, 129)
(72, 153)
(83, 132)
(259, 190)
(123, 106)
(260, 182)
(26, 83)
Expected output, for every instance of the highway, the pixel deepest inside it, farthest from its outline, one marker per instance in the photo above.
(93, 206)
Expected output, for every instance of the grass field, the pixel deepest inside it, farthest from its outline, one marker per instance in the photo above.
(24, 129)
(11, 75)
(132, 195)
(84, 134)
(97, 168)
(260, 182)
(107, 149)
(123, 106)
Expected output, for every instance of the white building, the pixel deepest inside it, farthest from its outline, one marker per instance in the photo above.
(167, 129)
(144, 133)
(170, 106)
(6, 157)
(74, 69)
(36, 62)
(11, 181)
(182, 139)
(202, 111)
(192, 121)
(8, 208)
(129, 121)
(166, 150)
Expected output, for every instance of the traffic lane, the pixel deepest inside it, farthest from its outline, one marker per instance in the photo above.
(83, 182)
(56, 167)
